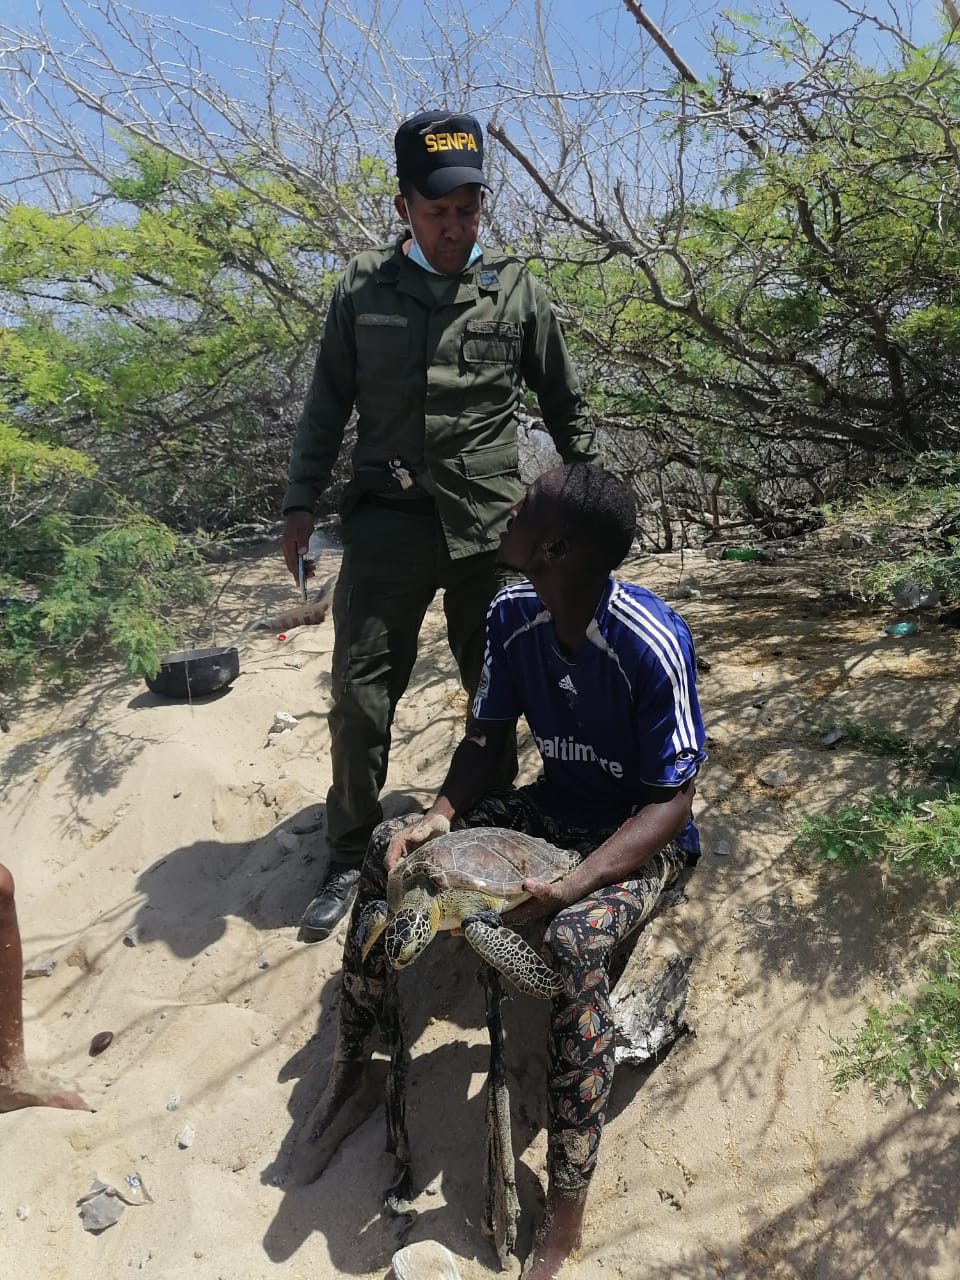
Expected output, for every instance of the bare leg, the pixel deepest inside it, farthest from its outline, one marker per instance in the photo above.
(558, 1237)
(17, 1088)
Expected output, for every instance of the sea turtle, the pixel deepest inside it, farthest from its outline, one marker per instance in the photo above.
(466, 880)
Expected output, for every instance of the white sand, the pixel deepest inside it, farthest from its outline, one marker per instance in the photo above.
(733, 1158)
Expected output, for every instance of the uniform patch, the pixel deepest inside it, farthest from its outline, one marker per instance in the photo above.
(369, 319)
(493, 328)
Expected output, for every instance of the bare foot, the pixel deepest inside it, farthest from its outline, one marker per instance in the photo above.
(24, 1090)
(353, 1092)
(557, 1238)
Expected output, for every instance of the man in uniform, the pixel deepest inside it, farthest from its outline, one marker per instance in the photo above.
(605, 675)
(431, 341)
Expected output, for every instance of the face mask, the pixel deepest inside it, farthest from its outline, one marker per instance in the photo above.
(415, 254)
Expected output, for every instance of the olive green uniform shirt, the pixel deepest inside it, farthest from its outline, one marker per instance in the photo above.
(435, 368)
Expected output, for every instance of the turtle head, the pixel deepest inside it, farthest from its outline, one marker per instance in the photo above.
(412, 928)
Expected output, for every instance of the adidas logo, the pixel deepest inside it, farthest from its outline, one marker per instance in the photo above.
(567, 685)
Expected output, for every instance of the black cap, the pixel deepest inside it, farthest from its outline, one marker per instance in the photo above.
(437, 151)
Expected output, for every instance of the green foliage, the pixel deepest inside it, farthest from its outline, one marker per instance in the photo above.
(913, 1044)
(83, 574)
(915, 512)
(168, 339)
(153, 362)
(939, 762)
(795, 317)
(113, 594)
(919, 830)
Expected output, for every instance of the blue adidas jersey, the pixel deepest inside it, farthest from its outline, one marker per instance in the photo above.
(618, 718)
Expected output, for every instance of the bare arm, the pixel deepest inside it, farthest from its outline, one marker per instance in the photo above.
(473, 769)
(621, 856)
(472, 773)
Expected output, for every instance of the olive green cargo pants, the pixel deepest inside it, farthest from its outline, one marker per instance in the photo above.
(394, 562)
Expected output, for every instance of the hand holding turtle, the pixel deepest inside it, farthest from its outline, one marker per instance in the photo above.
(546, 899)
(412, 837)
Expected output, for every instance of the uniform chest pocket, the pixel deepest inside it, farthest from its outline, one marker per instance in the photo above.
(382, 339)
(491, 342)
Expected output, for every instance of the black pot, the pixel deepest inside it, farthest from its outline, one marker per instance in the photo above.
(191, 673)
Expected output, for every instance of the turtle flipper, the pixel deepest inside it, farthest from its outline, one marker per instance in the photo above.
(511, 955)
(372, 922)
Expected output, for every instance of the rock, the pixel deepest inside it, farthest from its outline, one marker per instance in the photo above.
(832, 737)
(722, 849)
(775, 778)
(288, 842)
(425, 1260)
(132, 937)
(185, 1138)
(283, 720)
(173, 1104)
(40, 967)
(100, 1208)
(102, 1040)
(23, 1212)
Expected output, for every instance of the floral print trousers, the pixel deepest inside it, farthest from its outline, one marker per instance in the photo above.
(579, 941)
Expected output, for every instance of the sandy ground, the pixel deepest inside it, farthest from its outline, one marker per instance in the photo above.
(201, 831)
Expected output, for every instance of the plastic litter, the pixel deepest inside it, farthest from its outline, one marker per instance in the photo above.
(104, 1203)
(131, 1190)
(900, 628)
(911, 595)
(425, 1260)
(40, 967)
(740, 553)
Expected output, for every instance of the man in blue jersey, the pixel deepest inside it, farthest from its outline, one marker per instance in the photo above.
(604, 673)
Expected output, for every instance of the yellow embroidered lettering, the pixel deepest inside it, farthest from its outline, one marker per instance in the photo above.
(450, 142)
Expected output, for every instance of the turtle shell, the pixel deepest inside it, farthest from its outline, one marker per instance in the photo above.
(494, 859)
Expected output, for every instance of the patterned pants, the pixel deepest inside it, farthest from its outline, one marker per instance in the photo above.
(580, 942)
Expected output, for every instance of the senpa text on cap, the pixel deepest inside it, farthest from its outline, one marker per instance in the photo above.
(450, 142)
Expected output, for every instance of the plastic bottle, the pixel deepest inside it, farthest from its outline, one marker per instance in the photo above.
(740, 553)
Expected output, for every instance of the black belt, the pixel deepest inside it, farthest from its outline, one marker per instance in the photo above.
(411, 506)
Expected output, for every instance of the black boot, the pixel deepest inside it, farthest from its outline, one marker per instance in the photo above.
(333, 901)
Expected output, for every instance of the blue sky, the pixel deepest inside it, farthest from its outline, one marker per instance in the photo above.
(587, 22)
(582, 36)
